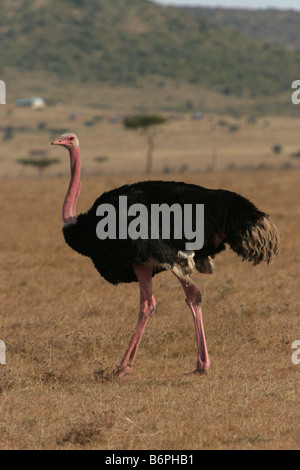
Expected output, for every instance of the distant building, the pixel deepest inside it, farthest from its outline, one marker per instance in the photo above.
(35, 102)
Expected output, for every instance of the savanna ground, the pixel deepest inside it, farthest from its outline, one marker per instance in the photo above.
(66, 329)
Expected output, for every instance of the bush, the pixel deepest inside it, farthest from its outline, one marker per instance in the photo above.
(276, 149)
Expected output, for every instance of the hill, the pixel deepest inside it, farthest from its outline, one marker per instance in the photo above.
(274, 26)
(126, 41)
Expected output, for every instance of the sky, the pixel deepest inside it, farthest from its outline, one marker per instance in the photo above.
(282, 4)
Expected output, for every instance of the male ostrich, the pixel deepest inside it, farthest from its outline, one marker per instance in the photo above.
(228, 219)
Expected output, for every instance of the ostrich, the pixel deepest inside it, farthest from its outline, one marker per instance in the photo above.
(228, 219)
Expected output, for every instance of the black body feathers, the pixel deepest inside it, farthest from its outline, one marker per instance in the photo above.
(228, 219)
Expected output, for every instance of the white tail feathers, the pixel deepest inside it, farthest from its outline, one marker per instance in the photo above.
(259, 243)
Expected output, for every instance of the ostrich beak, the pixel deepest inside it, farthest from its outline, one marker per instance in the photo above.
(56, 142)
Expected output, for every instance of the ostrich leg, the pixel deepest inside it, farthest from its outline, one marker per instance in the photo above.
(147, 307)
(193, 300)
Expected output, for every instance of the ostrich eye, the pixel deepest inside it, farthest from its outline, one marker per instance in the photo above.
(71, 138)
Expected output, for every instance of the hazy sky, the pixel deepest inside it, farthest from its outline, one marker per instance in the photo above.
(285, 4)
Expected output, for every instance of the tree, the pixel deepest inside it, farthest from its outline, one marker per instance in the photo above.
(40, 163)
(147, 125)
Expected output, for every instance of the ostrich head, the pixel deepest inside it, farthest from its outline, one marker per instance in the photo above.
(69, 141)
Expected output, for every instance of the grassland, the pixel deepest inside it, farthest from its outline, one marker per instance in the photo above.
(66, 329)
(182, 144)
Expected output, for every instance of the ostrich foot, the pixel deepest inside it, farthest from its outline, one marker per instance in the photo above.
(123, 370)
(202, 366)
(200, 371)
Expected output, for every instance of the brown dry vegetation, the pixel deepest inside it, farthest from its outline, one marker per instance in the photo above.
(66, 330)
(181, 142)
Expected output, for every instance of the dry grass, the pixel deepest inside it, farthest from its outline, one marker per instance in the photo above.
(196, 145)
(66, 330)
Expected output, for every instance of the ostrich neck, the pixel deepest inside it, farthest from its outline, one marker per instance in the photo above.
(69, 207)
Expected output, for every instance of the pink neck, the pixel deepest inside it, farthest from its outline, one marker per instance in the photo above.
(69, 207)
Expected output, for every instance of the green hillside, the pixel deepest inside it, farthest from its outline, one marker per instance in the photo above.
(120, 42)
(274, 26)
